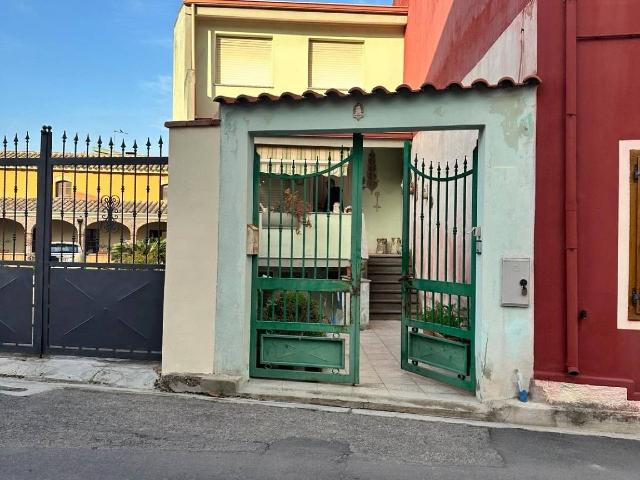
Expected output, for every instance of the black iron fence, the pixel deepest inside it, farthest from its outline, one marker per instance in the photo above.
(83, 234)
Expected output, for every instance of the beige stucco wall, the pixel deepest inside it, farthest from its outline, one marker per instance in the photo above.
(192, 251)
(183, 73)
(387, 221)
(383, 52)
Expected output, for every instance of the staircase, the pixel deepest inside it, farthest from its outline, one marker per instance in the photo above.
(385, 300)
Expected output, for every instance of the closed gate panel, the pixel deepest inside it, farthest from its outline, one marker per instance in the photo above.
(82, 246)
(16, 306)
(119, 311)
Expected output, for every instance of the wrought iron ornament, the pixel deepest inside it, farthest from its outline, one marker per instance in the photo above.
(111, 205)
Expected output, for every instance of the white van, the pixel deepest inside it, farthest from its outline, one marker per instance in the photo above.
(66, 252)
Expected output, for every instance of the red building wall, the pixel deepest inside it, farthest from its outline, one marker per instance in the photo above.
(445, 39)
(607, 110)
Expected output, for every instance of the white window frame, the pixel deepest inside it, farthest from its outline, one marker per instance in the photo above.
(624, 192)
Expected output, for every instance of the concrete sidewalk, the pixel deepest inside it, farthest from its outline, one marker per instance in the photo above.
(547, 410)
(96, 371)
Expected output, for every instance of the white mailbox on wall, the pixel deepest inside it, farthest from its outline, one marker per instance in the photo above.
(516, 282)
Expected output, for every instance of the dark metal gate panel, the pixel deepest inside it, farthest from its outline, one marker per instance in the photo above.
(106, 312)
(82, 247)
(438, 264)
(105, 250)
(20, 326)
(16, 306)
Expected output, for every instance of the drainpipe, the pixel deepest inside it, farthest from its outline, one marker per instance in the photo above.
(571, 188)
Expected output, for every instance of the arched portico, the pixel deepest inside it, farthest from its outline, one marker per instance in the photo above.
(151, 231)
(99, 236)
(12, 238)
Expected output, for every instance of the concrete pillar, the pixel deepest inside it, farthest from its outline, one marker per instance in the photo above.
(192, 248)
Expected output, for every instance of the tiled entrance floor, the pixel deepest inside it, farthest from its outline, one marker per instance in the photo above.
(380, 363)
(382, 381)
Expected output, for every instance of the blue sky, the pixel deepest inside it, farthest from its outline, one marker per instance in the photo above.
(89, 66)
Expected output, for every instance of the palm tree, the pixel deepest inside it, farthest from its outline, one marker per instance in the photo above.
(143, 251)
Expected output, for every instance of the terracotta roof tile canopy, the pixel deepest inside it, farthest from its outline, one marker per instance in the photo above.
(479, 84)
(299, 6)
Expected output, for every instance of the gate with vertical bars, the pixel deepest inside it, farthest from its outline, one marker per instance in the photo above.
(438, 265)
(305, 320)
(82, 258)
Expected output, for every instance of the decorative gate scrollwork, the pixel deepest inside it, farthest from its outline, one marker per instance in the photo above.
(110, 205)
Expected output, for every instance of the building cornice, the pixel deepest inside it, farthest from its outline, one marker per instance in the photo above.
(302, 7)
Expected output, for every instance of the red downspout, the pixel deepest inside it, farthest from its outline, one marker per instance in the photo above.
(571, 187)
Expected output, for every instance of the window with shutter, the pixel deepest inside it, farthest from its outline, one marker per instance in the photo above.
(634, 237)
(64, 188)
(244, 61)
(335, 64)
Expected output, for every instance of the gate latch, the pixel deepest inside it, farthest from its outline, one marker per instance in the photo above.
(476, 232)
(635, 297)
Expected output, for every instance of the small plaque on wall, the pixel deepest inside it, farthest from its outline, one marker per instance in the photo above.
(253, 240)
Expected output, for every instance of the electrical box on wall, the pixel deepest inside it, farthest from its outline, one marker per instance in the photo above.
(516, 282)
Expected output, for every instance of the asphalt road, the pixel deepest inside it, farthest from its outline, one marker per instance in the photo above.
(77, 434)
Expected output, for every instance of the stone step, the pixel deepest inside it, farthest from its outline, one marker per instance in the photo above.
(384, 270)
(384, 260)
(376, 297)
(393, 296)
(385, 277)
(385, 316)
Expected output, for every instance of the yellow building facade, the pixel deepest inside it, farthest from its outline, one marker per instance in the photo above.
(233, 47)
(79, 206)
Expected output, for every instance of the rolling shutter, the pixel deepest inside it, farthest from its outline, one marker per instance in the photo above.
(335, 64)
(244, 61)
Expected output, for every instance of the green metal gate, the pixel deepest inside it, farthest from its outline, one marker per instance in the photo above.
(438, 265)
(306, 276)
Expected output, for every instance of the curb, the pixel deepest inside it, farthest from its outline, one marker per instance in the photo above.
(530, 414)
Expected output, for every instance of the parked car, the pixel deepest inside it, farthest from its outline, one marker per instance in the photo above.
(66, 252)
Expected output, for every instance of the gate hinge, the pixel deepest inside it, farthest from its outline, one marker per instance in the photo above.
(355, 291)
(635, 297)
(636, 172)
